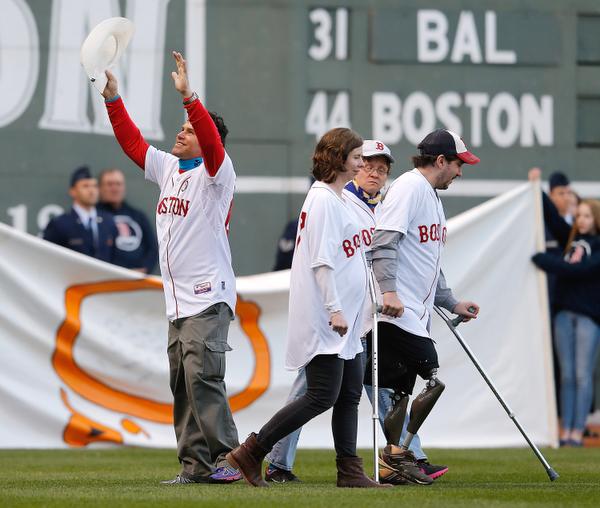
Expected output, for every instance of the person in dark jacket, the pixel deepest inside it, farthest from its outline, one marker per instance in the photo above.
(556, 231)
(136, 245)
(285, 246)
(84, 228)
(557, 219)
(577, 319)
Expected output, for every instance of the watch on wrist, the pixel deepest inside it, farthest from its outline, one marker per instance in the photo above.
(190, 99)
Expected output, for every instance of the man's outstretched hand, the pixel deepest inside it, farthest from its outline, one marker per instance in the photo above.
(180, 78)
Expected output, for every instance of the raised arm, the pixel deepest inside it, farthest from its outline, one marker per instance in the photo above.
(205, 129)
(128, 135)
(558, 226)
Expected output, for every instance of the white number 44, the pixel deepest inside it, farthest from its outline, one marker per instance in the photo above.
(318, 122)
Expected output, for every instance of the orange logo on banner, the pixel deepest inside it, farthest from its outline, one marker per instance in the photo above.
(120, 401)
(81, 430)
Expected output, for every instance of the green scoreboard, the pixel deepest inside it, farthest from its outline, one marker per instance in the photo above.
(518, 80)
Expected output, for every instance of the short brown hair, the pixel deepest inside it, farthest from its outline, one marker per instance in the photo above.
(422, 161)
(331, 153)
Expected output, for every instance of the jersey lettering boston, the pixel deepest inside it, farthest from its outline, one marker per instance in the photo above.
(432, 233)
(172, 205)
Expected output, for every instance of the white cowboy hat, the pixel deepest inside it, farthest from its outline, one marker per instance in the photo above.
(103, 47)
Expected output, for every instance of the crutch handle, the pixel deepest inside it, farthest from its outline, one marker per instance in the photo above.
(459, 319)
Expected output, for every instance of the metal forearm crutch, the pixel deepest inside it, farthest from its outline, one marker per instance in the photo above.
(374, 374)
(452, 324)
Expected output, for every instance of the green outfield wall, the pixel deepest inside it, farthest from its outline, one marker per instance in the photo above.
(519, 80)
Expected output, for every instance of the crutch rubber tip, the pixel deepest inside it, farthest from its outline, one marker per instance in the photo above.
(553, 475)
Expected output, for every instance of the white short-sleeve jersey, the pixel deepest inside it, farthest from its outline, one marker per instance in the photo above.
(191, 215)
(365, 219)
(412, 207)
(327, 235)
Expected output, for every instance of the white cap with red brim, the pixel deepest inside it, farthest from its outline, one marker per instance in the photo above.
(103, 47)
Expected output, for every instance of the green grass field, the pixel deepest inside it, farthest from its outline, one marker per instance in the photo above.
(129, 477)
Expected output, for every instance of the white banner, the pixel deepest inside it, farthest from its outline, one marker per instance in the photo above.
(84, 361)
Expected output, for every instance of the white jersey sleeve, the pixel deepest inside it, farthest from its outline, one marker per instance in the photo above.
(399, 207)
(158, 165)
(225, 175)
(325, 235)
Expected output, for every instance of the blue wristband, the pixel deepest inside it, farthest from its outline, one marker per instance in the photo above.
(116, 97)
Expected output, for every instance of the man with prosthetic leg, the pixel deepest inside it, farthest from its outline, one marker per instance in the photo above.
(407, 246)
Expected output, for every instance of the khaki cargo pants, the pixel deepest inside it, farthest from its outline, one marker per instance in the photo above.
(204, 426)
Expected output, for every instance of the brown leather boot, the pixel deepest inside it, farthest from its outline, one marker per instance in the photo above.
(248, 458)
(351, 474)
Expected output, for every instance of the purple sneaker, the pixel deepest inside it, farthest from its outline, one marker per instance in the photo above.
(225, 474)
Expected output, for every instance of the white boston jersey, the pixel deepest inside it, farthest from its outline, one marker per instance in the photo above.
(195, 258)
(413, 208)
(327, 235)
(366, 222)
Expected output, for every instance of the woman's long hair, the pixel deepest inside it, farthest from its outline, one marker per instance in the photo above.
(594, 205)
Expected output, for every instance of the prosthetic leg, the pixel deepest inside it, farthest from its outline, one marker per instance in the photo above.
(422, 406)
(394, 420)
(420, 409)
(398, 464)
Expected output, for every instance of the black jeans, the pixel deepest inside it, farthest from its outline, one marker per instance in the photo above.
(331, 382)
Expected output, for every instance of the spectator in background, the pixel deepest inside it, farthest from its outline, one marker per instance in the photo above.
(84, 228)
(285, 246)
(577, 322)
(556, 212)
(556, 233)
(136, 246)
(561, 195)
(558, 207)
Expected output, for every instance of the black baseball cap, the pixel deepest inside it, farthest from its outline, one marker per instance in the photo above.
(445, 142)
(81, 173)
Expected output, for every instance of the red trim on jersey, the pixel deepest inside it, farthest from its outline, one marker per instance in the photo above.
(169, 269)
(208, 136)
(167, 256)
(128, 135)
